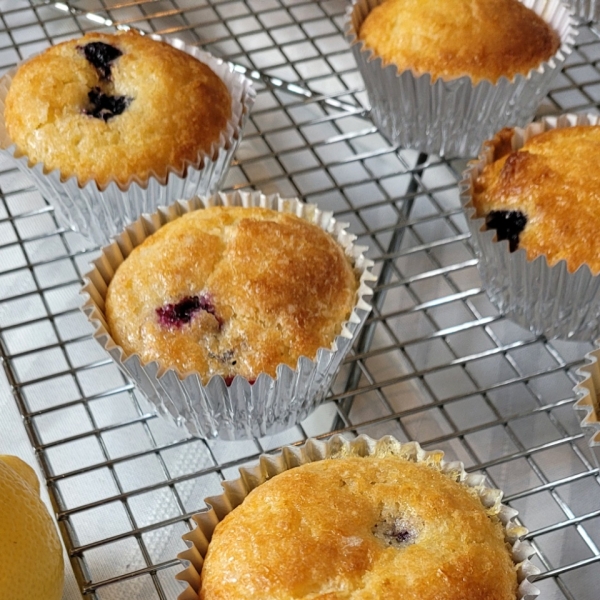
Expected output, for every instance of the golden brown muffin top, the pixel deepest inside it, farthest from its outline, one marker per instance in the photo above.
(231, 291)
(113, 106)
(483, 39)
(553, 182)
(359, 529)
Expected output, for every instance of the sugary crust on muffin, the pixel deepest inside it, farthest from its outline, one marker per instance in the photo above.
(483, 39)
(308, 534)
(553, 181)
(177, 108)
(273, 286)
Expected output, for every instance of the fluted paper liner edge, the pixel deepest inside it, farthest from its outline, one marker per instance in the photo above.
(586, 10)
(588, 402)
(337, 446)
(453, 118)
(546, 299)
(240, 410)
(100, 213)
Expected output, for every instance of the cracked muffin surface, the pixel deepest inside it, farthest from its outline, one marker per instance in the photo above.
(115, 107)
(232, 290)
(359, 528)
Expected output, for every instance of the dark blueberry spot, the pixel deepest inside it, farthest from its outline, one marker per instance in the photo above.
(508, 225)
(180, 313)
(100, 55)
(401, 535)
(229, 380)
(176, 315)
(225, 357)
(397, 532)
(103, 106)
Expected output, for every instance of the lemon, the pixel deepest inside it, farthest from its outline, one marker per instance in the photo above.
(31, 560)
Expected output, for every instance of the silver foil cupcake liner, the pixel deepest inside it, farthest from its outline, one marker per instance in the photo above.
(588, 401)
(337, 446)
(453, 118)
(240, 410)
(545, 299)
(586, 10)
(100, 213)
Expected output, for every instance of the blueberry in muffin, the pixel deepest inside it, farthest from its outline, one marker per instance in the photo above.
(103, 105)
(508, 225)
(100, 55)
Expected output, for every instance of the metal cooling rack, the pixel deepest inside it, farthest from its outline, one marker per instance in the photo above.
(436, 363)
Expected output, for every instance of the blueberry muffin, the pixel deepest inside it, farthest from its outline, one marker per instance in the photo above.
(360, 527)
(532, 206)
(115, 107)
(231, 291)
(543, 196)
(232, 313)
(482, 39)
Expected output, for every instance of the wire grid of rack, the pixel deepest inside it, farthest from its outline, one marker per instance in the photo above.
(436, 362)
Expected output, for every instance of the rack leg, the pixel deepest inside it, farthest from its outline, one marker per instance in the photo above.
(366, 337)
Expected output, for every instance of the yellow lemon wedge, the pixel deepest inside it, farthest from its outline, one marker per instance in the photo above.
(31, 559)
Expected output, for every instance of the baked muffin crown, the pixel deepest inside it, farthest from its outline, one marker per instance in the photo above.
(482, 39)
(550, 187)
(115, 107)
(231, 290)
(360, 527)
